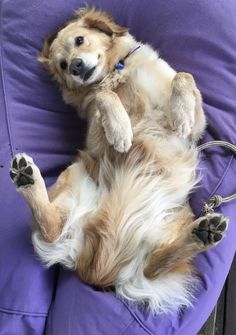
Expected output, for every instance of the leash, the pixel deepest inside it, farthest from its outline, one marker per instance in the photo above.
(121, 64)
(216, 200)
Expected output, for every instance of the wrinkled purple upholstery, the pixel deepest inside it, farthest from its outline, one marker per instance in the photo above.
(194, 36)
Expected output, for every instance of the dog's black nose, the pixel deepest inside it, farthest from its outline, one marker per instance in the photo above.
(77, 67)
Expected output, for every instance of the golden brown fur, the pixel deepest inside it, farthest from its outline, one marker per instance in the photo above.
(139, 164)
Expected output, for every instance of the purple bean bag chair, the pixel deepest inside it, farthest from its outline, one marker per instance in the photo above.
(194, 36)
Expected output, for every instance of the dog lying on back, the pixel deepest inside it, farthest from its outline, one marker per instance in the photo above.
(119, 216)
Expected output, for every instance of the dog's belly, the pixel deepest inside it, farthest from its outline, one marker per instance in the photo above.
(150, 197)
(154, 78)
(140, 206)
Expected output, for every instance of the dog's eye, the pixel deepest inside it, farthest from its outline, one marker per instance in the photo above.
(63, 64)
(79, 40)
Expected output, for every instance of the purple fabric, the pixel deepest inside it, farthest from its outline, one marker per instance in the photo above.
(194, 36)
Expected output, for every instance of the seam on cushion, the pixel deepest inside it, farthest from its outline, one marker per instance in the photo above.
(3, 83)
(21, 313)
(135, 316)
(126, 327)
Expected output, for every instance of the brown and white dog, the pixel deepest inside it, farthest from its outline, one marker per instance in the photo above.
(119, 216)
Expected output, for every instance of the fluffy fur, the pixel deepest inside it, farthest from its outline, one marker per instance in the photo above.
(119, 216)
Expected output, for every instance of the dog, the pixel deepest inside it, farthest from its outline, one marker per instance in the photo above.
(119, 216)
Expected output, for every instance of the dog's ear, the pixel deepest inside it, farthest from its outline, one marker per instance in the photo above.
(44, 55)
(100, 20)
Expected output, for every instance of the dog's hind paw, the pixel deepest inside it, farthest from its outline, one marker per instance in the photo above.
(211, 229)
(182, 104)
(21, 171)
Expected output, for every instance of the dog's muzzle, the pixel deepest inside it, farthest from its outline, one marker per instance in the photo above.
(79, 68)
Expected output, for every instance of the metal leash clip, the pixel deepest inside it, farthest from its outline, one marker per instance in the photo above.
(211, 204)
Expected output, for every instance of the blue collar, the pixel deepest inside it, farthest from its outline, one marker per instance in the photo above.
(120, 65)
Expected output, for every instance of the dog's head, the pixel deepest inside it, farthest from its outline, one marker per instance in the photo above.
(80, 52)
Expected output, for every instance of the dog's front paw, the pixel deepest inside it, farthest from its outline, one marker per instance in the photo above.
(21, 171)
(119, 135)
(120, 139)
(211, 229)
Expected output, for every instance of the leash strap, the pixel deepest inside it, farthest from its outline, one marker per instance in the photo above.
(120, 65)
(217, 200)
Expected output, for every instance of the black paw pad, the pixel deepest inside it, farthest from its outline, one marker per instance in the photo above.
(22, 163)
(203, 224)
(29, 170)
(217, 237)
(215, 220)
(21, 172)
(222, 226)
(202, 235)
(14, 163)
(211, 229)
(24, 180)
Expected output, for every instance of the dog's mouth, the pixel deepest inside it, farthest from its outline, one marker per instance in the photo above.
(89, 73)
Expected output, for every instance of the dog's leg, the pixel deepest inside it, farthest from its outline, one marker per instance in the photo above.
(201, 235)
(185, 113)
(115, 120)
(30, 184)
